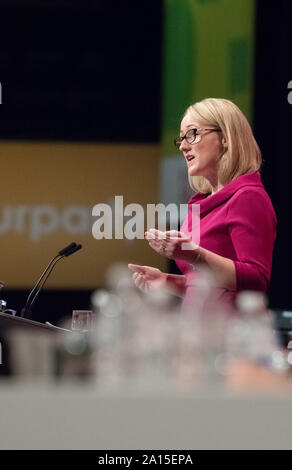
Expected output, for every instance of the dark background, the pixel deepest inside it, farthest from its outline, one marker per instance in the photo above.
(273, 131)
(81, 70)
(105, 77)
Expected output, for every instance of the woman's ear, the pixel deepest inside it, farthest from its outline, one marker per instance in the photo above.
(224, 143)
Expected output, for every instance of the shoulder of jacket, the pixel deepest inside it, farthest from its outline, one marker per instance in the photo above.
(250, 192)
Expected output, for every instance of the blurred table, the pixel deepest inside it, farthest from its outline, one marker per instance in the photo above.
(83, 417)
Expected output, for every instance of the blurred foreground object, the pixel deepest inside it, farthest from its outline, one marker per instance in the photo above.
(131, 338)
(83, 320)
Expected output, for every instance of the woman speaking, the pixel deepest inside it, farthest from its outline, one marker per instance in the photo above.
(237, 219)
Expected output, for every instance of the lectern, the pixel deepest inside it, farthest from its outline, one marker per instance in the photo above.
(9, 324)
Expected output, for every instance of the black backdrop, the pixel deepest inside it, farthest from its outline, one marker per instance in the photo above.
(81, 69)
(273, 130)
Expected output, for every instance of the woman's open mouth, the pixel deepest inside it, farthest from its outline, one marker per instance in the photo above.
(189, 158)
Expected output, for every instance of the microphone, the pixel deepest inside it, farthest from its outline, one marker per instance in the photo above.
(67, 251)
(72, 250)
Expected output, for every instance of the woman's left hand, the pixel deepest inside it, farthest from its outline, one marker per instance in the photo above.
(173, 245)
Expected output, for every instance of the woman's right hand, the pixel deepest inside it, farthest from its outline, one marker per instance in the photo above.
(147, 278)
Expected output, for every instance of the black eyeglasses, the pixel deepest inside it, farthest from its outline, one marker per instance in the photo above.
(193, 136)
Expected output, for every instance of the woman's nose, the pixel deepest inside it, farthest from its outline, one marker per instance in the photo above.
(184, 146)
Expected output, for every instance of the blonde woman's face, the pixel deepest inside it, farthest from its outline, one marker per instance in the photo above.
(203, 155)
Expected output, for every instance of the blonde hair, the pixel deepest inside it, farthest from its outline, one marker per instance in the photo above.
(242, 155)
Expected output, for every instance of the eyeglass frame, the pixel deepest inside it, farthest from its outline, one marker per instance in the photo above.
(179, 140)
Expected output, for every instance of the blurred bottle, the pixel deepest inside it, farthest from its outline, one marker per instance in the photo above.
(251, 335)
(203, 331)
(136, 332)
(73, 356)
(107, 336)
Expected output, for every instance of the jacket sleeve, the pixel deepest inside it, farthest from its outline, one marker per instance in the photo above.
(252, 225)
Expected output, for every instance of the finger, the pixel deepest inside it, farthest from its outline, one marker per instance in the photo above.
(146, 287)
(149, 235)
(189, 245)
(185, 235)
(135, 276)
(138, 281)
(141, 284)
(160, 235)
(172, 234)
(180, 241)
(155, 246)
(153, 243)
(136, 268)
(153, 233)
(175, 235)
(160, 248)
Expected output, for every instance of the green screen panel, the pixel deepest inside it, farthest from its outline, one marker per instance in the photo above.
(208, 52)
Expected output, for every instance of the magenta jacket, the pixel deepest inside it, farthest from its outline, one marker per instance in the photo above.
(239, 223)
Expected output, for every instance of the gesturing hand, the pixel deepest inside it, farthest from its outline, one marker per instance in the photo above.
(147, 278)
(173, 244)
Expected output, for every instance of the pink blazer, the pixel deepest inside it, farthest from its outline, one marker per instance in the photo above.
(239, 223)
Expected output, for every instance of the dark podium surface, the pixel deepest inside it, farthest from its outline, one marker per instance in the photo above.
(8, 321)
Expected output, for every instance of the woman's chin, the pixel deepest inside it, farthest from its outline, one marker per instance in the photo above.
(193, 171)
